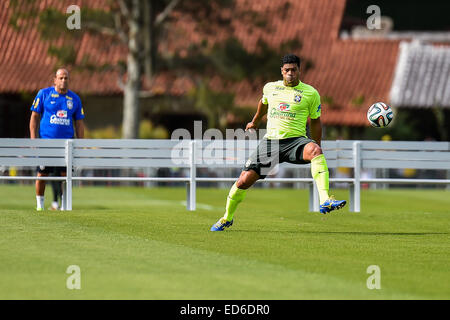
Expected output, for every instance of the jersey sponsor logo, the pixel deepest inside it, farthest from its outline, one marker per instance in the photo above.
(52, 102)
(298, 98)
(282, 112)
(69, 104)
(60, 121)
(61, 114)
(283, 107)
(60, 118)
(54, 95)
(279, 88)
(69, 98)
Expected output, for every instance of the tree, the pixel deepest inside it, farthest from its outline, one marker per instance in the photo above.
(137, 23)
(142, 25)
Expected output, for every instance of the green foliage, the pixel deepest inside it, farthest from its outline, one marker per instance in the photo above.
(108, 132)
(409, 125)
(328, 100)
(216, 105)
(148, 131)
(66, 55)
(104, 18)
(28, 11)
(358, 100)
(52, 25)
(439, 115)
(232, 62)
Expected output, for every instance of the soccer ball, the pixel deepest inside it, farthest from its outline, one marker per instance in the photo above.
(380, 115)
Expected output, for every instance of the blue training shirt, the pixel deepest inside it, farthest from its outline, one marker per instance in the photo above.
(57, 113)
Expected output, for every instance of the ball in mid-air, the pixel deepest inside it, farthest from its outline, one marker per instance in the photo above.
(380, 115)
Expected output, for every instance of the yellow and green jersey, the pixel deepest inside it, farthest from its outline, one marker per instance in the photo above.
(289, 109)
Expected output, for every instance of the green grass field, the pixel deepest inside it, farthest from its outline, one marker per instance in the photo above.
(141, 243)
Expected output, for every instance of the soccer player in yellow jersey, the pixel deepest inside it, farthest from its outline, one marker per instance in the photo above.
(288, 104)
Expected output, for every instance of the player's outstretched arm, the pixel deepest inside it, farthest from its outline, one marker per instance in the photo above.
(260, 112)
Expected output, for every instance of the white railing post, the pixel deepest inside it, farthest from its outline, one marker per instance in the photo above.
(190, 203)
(355, 206)
(448, 178)
(313, 197)
(68, 192)
(316, 198)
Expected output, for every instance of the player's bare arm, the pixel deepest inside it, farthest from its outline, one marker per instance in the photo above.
(312, 149)
(34, 124)
(79, 129)
(316, 130)
(260, 112)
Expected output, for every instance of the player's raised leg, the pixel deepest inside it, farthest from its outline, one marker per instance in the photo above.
(235, 196)
(320, 174)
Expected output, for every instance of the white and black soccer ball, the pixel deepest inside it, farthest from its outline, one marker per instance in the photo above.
(380, 115)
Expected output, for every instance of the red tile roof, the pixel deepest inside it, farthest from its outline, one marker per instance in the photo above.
(343, 69)
(26, 66)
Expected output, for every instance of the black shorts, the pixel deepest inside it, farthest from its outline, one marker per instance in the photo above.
(55, 171)
(269, 153)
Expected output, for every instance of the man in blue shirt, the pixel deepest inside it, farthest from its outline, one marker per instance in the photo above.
(55, 112)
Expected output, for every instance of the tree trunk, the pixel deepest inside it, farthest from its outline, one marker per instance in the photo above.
(148, 34)
(130, 124)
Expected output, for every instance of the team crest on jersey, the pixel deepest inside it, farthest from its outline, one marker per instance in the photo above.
(298, 98)
(283, 107)
(69, 104)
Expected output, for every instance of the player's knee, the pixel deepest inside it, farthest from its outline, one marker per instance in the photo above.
(246, 180)
(311, 151)
(242, 184)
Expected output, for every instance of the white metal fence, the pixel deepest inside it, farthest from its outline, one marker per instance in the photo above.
(195, 154)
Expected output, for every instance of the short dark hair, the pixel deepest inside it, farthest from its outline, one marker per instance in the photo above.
(290, 58)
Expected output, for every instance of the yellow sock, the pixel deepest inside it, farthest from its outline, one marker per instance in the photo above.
(320, 174)
(235, 196)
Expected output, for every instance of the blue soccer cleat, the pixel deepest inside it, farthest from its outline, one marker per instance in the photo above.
(221, 225)
(331, 204)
